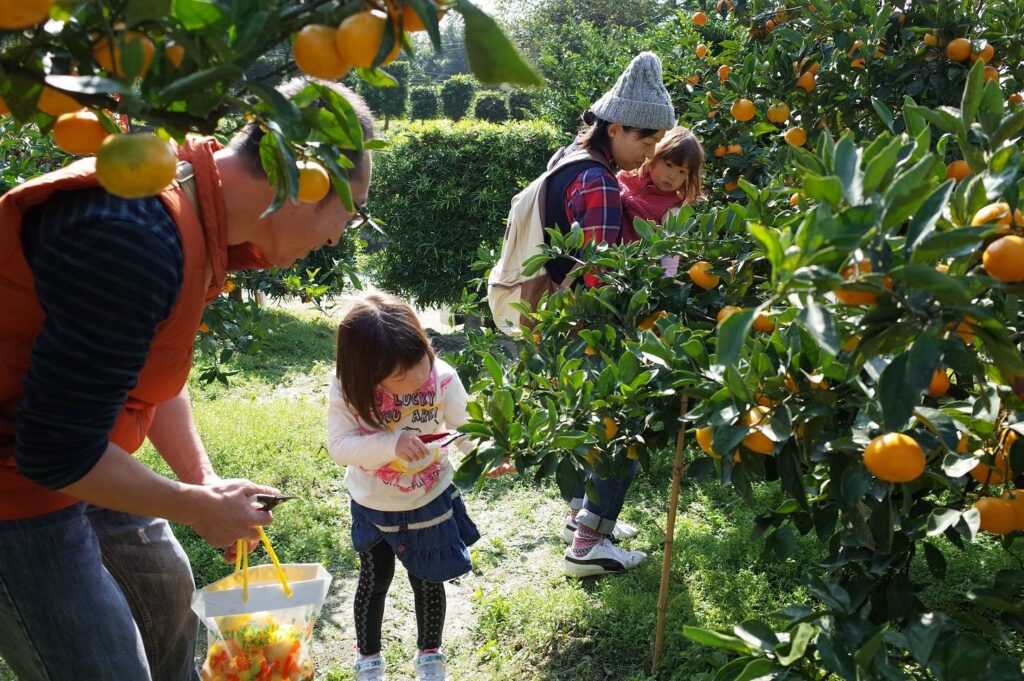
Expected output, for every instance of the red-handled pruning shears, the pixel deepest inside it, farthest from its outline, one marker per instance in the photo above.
(447, 438)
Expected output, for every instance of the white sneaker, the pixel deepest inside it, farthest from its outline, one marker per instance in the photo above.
(430, 667)
(601, 559)
(370, 670)
(621, 532)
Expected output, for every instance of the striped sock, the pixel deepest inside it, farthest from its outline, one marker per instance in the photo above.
(584, 539)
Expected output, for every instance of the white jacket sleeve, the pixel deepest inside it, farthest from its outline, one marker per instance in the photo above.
(347, 444)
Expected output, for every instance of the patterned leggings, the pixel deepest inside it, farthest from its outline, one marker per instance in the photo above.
(376, 570)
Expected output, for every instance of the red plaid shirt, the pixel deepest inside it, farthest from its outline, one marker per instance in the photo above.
(592, 200)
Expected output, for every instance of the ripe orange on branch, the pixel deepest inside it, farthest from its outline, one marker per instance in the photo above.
(998, 213)
(79, 133)
(314, 182)
(998, 516)
(894, 457)
(55, 102)
(726, 312)
(316, 52)
(743, 110)
(985, 54)
(360, 36)
(757, 441)
(795, 136)
(807, 81)
(939, 384)
(723, 73)
(135, 166)
(19, 14)
(699, 275)
(700, 18)
(958, 49)
(778, 113)
(110, 59)
(1004, 259)
(958, 170)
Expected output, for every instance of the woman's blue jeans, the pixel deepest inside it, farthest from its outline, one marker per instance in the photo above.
(89, 593)
(601, 515)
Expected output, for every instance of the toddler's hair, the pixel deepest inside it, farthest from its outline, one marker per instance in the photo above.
(377, 336)
(681, 147)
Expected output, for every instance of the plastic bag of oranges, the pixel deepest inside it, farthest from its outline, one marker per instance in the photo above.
(260, 622)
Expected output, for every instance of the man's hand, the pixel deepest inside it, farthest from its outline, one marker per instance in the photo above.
(223, 512)
(7, 414)
(410, 448)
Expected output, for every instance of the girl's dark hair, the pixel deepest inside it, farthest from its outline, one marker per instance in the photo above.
(682, 148)
(595, 135)
(378, 335)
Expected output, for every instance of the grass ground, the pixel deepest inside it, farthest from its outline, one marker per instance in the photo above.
(515, 617)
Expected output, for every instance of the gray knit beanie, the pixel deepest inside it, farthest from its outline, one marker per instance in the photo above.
(639, 98)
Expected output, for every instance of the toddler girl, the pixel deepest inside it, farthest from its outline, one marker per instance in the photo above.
(388, 396)
(667, 180)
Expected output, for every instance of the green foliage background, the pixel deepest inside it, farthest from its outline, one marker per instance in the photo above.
(444, 189)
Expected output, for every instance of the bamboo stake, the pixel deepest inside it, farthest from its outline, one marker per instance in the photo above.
(670, 528)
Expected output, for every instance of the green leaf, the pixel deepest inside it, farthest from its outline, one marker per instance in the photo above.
(820, 324)
(196, 14)
(376, 77)
(926, 217)
(1010, 126)
(769, 239)
(138, 11)
(757, 669)
(790, 652)
(732, 334)
(943, 120)
(715, 639)
(492, 57)
(88, 85)
(946, 289)
(285, 112)
(883, 112)
(936, 561)
(881, 165)
(828, 188)
(940, 519)
(199, 81)
(944, 244)
(972, 93)
(848, 170)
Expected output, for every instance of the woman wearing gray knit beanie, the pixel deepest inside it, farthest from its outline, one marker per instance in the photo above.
(621, 131)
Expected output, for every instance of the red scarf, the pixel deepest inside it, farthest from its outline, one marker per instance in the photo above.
(642, 199)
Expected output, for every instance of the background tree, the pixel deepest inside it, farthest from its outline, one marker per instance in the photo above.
(492, 108)
(457, 96)
(389, 102)
(423, 102)
(521, 105)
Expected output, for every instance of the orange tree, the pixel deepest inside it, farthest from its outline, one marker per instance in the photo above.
(181, 67)
(861, 350)
(78, 75)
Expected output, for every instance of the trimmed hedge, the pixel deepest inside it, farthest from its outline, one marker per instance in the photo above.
(491, 108)
(423, 102)
(521, 105)
(457, 95)
(443, 189)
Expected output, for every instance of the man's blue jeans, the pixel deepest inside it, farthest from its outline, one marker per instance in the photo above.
(88, 593)
(601, 515)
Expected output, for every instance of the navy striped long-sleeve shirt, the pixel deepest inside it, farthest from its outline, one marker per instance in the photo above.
(107, 271)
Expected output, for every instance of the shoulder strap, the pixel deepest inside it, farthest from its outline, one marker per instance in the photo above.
(186, 178)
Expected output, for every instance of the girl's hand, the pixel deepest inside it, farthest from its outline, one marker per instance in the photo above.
(410, 448)
(504, 468)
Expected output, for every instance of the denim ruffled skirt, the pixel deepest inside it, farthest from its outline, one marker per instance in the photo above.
(431, 541)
